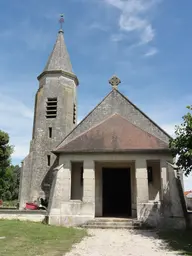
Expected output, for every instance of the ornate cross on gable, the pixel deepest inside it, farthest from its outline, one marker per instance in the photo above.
(114, 81)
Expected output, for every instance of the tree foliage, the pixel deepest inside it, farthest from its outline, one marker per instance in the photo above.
(9, 186)
(5, 151)
(9, 174)
(181, 145)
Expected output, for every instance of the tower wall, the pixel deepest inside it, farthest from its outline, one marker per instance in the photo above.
(36, 175)
(64, 90)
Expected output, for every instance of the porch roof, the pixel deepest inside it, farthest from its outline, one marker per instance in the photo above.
(114, 134)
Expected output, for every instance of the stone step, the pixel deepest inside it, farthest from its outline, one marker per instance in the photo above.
(114, 220)
(113, 223)
(109, 223)
(90, 226)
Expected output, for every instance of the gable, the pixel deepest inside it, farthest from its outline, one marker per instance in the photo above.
(115, 134)
(115, 102)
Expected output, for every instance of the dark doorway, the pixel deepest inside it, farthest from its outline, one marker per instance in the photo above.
(116, 192)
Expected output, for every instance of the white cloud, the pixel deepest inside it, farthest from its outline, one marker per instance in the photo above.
(134, 17)
(117, 37)
(16, 119)
(148, 34)
(151, 52)
(98, 26)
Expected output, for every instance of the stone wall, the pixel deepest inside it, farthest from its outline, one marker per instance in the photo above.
(25, 179)
(64, 211)
(35, 216)
(168, 213)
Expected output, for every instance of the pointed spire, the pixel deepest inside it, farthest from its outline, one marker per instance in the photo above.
(59, 59)
(59, 62)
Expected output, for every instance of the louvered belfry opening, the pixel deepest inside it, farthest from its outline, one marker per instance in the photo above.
(74, 113)
(51, 109)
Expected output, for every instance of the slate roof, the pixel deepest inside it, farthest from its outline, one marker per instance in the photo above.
(59, 58)
(113, 103)
(114, 134)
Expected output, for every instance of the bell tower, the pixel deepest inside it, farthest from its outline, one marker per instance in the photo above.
(54, 117)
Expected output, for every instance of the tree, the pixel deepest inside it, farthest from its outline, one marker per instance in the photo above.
(181, 145)
(5, 151)
(11, 183)
(6, 170)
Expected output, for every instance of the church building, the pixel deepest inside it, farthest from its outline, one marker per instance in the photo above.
(115, 163)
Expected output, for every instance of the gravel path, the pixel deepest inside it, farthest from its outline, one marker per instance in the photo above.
(103, 242)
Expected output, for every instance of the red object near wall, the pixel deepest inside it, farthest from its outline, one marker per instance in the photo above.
(31, 206)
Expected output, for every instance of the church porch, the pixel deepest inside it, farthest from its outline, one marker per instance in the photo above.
(97, 187)
(115, 194)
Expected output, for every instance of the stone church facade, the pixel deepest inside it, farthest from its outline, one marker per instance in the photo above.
(115, 163)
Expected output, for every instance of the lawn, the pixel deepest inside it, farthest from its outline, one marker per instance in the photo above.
(19, 238)
(180, 241)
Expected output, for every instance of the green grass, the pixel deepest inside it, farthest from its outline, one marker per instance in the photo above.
(180, 241)
(28, 238)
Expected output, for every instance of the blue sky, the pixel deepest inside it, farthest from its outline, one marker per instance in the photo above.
(147, 43)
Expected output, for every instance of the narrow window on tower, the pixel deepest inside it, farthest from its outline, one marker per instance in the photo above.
(48, 160)
(74, 113)
(51, 108)
(50, 132)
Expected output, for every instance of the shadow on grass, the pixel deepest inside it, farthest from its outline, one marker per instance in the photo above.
(180, 241)
(177, 241)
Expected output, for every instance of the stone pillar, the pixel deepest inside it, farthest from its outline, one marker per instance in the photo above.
(89, 182)
(61, 186)
(142, 181)
(98, 191)
(166, 182)
(141, 187)
(163, 168)
(60, 193)
(67, 181)
(25, 181)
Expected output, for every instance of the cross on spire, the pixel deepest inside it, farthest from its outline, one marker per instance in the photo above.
(61, 21)
(114, 81)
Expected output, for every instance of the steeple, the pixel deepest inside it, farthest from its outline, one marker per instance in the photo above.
(59, 59)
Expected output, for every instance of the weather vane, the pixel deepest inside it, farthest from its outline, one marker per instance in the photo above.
(61, 21)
